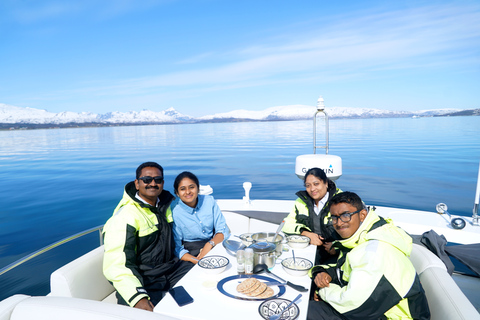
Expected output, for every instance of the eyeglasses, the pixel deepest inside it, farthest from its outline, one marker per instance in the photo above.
(345, 217)
(148, 179)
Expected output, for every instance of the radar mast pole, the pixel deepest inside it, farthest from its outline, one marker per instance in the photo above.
(320, 109)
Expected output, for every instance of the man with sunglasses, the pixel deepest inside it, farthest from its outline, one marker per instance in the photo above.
(373, 277)
(139, 255)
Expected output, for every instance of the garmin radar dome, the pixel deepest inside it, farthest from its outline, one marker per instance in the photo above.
(332, 165)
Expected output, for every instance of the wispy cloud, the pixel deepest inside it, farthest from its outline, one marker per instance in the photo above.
(343, 47)
(389, 40)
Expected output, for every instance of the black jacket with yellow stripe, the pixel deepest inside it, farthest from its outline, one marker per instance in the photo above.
(303, 215)
(139, 246)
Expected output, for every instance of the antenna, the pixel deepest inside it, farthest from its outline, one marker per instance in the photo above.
(320, 104)
(320, 109)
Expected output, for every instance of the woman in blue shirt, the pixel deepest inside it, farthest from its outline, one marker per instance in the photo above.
(198, 223)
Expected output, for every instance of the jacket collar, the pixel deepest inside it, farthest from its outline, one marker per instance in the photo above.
(131, 191)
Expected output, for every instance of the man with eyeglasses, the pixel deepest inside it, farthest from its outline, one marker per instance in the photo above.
(373, 277)
(139, 255)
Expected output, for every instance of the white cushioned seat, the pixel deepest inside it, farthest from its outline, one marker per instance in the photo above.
(7, 305)
(83, 278)
(445, 299)
(21, 307)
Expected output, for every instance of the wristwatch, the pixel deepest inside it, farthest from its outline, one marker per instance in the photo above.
(212, 243)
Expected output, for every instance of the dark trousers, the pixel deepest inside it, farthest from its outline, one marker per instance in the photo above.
(158, 288)
(320, 310)
(194, 247)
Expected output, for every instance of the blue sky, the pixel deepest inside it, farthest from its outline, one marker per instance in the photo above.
(210, 56)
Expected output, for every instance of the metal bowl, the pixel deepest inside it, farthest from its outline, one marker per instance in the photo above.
(269, 237)
(246, 239)
(264, 252)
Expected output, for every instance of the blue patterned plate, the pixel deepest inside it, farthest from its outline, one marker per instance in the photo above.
(228, 286)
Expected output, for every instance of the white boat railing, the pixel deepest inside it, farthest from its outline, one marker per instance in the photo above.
(52, 246)
(475, 218)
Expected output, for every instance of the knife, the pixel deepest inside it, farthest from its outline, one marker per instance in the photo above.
(275, 283)
(294, 286)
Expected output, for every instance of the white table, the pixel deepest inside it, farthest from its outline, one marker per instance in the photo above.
(210, 303)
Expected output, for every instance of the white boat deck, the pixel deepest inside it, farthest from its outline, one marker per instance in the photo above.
(75, 285)
(413, 221)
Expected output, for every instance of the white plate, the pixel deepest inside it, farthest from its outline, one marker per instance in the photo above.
(228, 286)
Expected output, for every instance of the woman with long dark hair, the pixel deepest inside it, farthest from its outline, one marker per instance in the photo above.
(198, 223)
(310, 215)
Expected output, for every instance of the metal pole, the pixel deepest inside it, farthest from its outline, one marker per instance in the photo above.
(48, 248)
(315, 132)
(320, 108)
(326, 132)
(475, 218)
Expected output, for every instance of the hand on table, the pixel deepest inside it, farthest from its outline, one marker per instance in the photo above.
(144, 304)
(322, 280)
(203, 252)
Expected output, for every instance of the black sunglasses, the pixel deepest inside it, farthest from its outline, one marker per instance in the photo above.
(345, 217)
(148, 179)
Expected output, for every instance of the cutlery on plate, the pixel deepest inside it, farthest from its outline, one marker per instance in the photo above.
(263, 267)
(273, 283)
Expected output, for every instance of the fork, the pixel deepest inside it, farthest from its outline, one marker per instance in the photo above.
(277, 316)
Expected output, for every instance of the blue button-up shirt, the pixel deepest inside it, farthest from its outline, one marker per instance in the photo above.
(199, 223)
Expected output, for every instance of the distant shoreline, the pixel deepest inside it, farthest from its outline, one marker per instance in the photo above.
(33, 126)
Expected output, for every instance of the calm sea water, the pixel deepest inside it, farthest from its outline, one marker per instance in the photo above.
(59, 182)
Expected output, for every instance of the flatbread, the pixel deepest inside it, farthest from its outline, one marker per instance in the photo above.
(246, 284)
(259, 290)
(252, 288)
(266, 294)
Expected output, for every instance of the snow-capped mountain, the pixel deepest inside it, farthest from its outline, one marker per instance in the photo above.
(294, 112)
(145, 116)
(12, 114)
(300, 112)
(18, 115)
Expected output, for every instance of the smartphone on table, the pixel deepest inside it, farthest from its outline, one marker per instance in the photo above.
(181, 296)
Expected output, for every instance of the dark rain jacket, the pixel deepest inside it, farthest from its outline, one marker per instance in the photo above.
(139, 245)
(373, 278)
(303, 215)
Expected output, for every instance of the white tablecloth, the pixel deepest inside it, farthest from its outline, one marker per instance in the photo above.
(210, 303)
